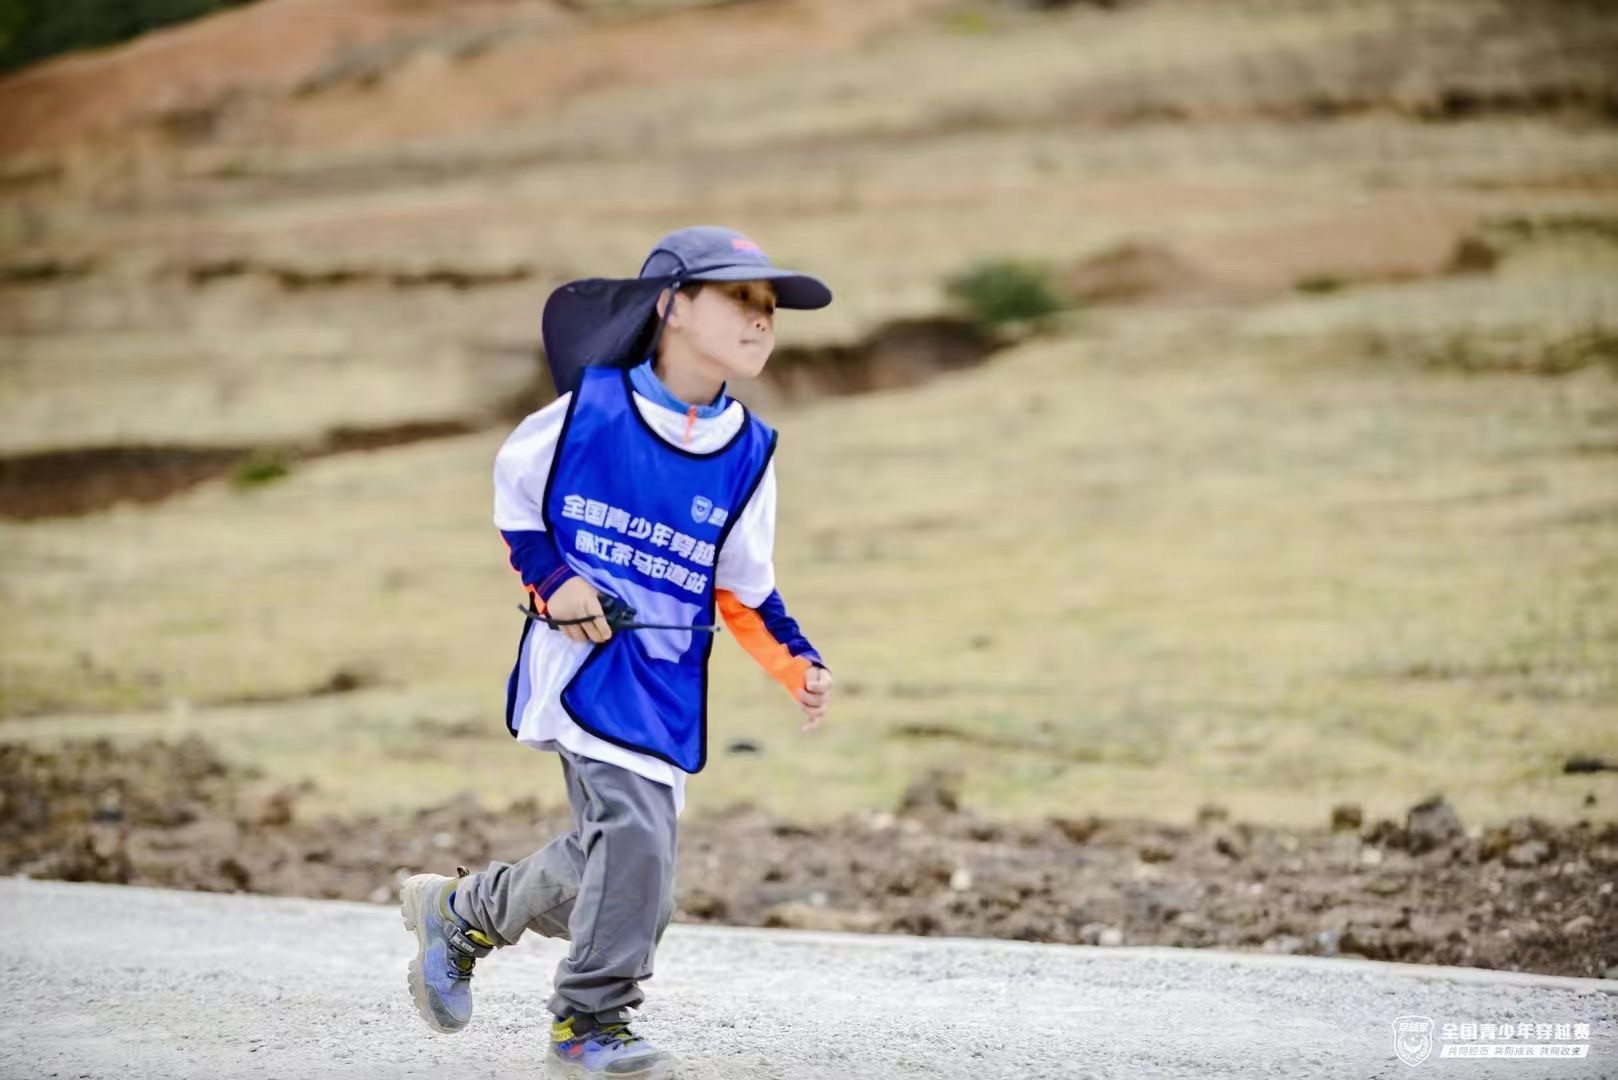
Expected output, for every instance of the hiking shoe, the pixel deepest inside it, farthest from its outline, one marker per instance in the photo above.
(604, 1050)
(446, 949)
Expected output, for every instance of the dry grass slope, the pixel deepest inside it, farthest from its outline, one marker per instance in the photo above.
(1240, 543)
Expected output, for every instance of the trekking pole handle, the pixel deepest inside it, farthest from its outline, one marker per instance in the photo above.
(618, 615)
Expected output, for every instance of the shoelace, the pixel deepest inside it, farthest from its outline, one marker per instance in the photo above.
(454, 955)
(618, 1033)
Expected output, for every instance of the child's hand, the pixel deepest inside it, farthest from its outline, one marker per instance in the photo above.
(812, 698)
(577, 599)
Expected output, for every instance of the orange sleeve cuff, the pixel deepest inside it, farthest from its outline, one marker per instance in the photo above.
(771, 655)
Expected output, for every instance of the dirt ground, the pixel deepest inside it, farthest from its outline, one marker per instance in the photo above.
(1521, 895)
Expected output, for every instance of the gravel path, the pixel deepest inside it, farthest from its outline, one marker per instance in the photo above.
(111, 981)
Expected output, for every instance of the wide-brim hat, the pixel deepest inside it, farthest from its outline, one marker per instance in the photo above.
(612, 322)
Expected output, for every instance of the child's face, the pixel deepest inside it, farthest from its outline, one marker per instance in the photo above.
(731, 323)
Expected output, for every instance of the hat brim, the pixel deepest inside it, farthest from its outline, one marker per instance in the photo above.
(792, 289)
(610, 320)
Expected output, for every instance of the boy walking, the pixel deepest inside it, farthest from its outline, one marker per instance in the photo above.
(642, 486)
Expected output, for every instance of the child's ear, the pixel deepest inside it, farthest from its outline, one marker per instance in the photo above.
(666, 298)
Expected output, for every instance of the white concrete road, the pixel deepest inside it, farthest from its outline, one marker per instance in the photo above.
(106, 981)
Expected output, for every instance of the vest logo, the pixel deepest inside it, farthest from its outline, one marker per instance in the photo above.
(703, 509)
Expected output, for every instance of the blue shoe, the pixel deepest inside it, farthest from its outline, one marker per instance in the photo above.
(605, 1050)
(446, 949)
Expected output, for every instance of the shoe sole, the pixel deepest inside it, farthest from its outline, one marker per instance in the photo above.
(557, 1069)
(412, 897)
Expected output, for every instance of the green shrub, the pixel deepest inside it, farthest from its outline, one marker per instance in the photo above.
(261, 467)
(1318, 284)
(1005, 290)
(970, 21)
(32, 30)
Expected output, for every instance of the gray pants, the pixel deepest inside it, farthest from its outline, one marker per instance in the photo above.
(607, 887)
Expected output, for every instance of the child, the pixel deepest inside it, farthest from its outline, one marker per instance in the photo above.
(643, 481)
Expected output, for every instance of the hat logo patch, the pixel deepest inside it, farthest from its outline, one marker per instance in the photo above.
(741, 243)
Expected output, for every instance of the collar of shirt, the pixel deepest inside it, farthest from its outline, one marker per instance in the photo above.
(649, 386)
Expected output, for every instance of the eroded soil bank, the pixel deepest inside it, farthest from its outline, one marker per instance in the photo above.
(1523, 895)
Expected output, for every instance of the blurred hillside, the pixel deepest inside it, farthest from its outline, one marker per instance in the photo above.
(1310, 493)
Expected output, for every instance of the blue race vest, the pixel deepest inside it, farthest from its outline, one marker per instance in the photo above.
(645, 520)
